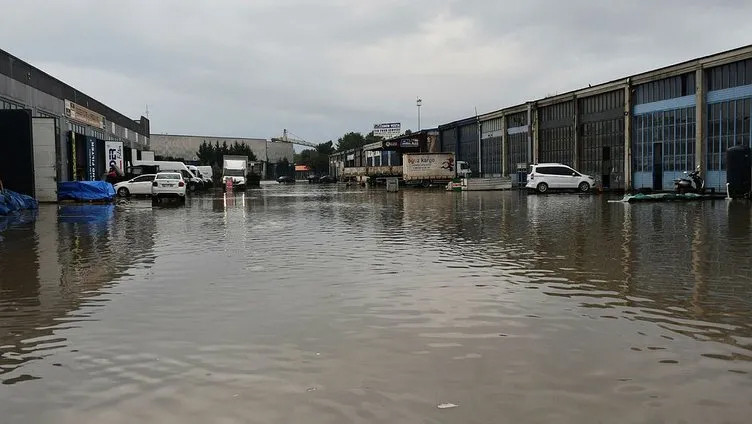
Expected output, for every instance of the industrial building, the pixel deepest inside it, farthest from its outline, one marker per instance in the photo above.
(53, 132)
(185, 147)
(637, 132)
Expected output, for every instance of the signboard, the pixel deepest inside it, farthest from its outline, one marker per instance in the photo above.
(91, 159)
(409, 143)
(83, 115)
(428, 166)
(388, 129)
(390, 144)
(113, 151)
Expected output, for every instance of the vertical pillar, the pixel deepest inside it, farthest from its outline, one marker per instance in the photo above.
(529, 157)
(700, 120)
(628, 135)
(576, 125)
(480, 146)
(504, 141)
(535, 134)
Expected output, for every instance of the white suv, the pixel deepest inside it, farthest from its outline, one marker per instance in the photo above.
(166, 185)
(546, 176)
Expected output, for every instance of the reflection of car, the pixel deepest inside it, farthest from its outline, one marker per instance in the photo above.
(168, 185)
(326, 179)
(286, 179)
(140, 185)
(545, 176)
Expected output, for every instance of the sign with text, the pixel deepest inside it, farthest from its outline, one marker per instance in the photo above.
(91, 159)
(81, 114)
(409, 143)
(387, 130)
(113, 151)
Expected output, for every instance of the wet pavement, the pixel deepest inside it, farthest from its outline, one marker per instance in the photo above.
(327, 304)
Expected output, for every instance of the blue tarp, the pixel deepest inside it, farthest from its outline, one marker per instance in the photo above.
(10, 202)
(85, 190)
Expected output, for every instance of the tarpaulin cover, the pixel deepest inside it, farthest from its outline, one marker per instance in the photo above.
(85, 190)
(10, 202)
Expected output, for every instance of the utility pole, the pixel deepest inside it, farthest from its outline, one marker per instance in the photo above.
(418, 103)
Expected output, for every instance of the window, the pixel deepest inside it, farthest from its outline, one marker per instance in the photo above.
(143, 178)
(168, 177)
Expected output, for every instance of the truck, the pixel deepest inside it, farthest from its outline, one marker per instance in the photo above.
(426, 169)
(234, 169)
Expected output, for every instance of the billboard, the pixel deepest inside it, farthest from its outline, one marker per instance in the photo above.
(113, 151)
(81, 114)
(387, 130)
(417, 166)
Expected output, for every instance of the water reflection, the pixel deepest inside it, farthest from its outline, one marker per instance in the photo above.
(52, 266)
(336, 304)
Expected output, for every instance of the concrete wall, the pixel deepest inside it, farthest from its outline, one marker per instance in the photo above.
(186, 146)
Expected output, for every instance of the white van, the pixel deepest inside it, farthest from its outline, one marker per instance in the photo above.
(207, 172)
(194, 182)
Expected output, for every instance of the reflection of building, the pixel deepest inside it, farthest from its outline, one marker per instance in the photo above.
(56, 132)
(640, 131)
(185, 147)
(50, 269)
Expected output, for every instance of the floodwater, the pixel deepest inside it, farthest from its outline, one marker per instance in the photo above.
(324, 304)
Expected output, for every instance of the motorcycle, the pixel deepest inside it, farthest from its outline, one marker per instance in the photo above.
(692, 183)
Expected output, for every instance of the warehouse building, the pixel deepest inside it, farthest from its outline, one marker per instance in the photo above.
(185, 147)
(641, 131)
(53, 132)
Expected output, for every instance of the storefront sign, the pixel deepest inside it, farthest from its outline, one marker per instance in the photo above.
(409, 143)
(91, 159)
(113, 151)
(387, 130)
(390, 144)
(83, 115)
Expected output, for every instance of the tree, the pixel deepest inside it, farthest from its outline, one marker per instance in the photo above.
(283, 167)
(351, 140)
(325, 148)
(213, 155)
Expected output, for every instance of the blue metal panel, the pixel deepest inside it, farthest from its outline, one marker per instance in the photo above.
(676, 103)
(642, 180)
(669, 177)
(732, 93)
(716, 179)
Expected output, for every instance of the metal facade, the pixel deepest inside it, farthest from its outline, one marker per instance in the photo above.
(601, 137)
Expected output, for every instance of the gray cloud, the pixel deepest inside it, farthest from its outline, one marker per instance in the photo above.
(321, 68)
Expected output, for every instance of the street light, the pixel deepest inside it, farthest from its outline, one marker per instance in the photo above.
(418, 103)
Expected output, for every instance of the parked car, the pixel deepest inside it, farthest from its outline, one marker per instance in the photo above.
(286, 179)
(168, 185)
(326, 179)
(546, 176)
(206, 182)
(313, 179)
(140, 185)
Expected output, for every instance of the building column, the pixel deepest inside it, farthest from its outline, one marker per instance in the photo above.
(535, 134)
(576, 124)
(628, 136)
(700, 121)
(504, 135)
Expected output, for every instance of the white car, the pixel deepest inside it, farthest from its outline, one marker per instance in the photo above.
(168, 185)
(140, 185)
(546, 176)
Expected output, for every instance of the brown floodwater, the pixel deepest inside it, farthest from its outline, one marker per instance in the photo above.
(328, 304)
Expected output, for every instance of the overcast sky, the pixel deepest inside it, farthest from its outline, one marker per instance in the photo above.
(322, 68)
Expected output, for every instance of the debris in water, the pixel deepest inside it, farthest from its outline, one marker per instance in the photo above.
(447, 405)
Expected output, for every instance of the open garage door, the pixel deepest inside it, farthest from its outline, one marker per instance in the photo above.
(45, 159)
